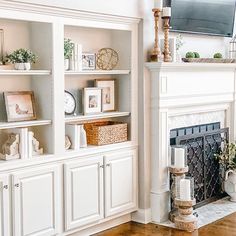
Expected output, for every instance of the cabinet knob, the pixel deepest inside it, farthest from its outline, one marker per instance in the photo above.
(108, 165)
(102, 166)
(17, 185)
(5, 186)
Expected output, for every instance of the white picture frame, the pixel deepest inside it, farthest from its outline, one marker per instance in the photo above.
(88, 61)
(108, 87)
(92, 99)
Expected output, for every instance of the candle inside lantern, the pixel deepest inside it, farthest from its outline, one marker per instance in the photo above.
(158, 4)
(166, 12)
(185, 190)
(179, 157)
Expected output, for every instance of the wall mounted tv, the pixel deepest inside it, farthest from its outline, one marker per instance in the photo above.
(212, 17)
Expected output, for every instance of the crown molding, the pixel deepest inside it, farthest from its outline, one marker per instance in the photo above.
(18, 5)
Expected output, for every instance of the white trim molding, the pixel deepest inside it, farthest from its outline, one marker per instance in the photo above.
(142, 216)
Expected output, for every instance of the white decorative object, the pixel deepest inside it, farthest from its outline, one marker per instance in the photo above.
(158, 4)
(67, 142)
(34, 149)
(185, 190)
(179, 157)
(83, 137)
(166, 12)
(66, 64)
(73, 131)
(230, 184)
(22, 66)
(10, 149)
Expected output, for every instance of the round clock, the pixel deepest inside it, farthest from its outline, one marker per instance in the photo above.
(69, 103)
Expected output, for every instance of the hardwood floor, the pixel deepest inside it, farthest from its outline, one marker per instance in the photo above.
(223, 227)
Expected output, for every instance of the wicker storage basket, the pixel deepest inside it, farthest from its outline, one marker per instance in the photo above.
(106, 132)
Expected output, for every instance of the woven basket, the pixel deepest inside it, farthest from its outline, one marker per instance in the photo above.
(106, 132)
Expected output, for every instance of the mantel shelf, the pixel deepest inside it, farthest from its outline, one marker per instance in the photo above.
(25, 72)
(22, 124)
(98, 72)
(82, 118)
(187, 66)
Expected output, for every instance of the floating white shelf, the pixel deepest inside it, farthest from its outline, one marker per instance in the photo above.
(80, 118)
(98, 72)
(25, 72)
(21, 124)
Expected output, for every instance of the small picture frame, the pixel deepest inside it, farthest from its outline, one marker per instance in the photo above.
(88, 61)
(92, 98)
(108, 93)
(20, 106)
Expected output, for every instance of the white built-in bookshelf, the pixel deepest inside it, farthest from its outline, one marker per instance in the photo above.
(50, 174)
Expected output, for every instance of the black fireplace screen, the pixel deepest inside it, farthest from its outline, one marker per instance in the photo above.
(203, 166)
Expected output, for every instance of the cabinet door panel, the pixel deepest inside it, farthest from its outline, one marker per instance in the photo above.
(120, 182)
(4, 206)
(35, 198)
(83, 192)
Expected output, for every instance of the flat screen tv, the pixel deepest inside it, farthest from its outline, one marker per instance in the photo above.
(211, 17)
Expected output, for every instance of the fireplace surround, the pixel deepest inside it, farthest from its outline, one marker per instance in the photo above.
(183, 95)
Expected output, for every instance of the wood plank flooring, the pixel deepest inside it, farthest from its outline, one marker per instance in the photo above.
(223, 227)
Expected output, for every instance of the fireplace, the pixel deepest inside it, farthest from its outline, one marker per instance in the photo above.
(200, 97)
(202, 142)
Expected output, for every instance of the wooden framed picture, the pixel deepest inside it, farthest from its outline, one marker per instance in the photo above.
(88, 61)
(108, 93)
(92, 98)
(20, 106)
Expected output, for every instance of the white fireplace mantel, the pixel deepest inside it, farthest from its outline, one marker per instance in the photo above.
(188, 93)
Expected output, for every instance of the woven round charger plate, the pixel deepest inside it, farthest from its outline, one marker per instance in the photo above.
(107, 59)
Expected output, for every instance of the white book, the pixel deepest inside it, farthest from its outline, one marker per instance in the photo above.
(30, 144)
(72, 59)
(73, 131)
(23, 148)
(79, 57)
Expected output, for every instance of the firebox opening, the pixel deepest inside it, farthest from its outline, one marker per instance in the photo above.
(203, 142)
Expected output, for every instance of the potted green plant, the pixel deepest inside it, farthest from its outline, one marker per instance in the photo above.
(22, 59)
(68, 50)
(227, 158)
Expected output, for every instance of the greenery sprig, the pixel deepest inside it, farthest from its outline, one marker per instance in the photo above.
(227, 156)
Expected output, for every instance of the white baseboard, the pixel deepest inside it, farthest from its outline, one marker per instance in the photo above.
(143, 216)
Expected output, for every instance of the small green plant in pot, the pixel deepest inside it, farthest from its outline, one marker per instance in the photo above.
(68, 50)
(22, 59)
(227, 158)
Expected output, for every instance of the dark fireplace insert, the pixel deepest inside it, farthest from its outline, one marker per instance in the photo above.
(203, 142)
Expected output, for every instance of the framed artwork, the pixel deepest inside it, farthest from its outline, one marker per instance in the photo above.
(88, 61)
(108, 93)
(92, 98)
(20, 106)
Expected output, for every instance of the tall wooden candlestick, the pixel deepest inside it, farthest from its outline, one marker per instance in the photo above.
(167, 54)
(156, 52)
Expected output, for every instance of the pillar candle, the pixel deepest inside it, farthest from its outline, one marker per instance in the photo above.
(179, 157)
(185, 190)
(158, 4)
(166, 12)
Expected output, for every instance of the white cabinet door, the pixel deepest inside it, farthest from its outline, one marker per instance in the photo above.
(35, 202)
(4, 206)
(83, 192)
(120, 182)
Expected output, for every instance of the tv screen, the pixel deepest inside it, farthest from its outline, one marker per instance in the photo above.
(212, 17)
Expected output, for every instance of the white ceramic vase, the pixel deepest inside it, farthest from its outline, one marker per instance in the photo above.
(22, 66)
(66, 64)
(230, 184)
